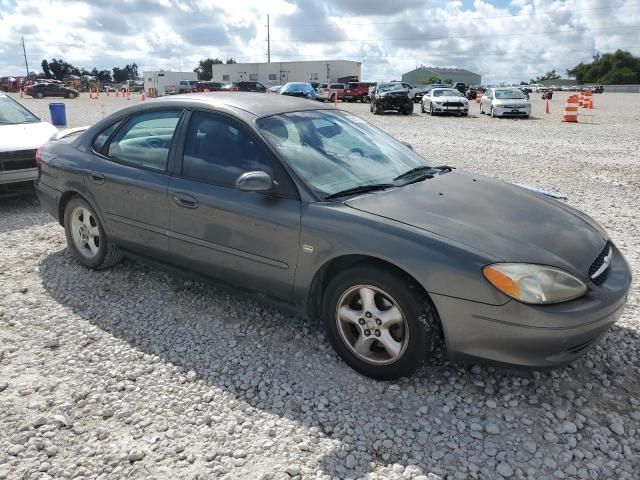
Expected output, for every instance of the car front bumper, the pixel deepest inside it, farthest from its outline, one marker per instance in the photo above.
(17, 176)
(464, 109)
(394, 103)
(534, 336)
(501, 111)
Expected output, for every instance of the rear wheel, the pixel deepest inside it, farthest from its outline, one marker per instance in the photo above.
(71, 95)
(86, 237)
(379, 322)
(39, 95)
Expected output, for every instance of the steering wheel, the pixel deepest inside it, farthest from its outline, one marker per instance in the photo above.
(155, 142)
(357, 150)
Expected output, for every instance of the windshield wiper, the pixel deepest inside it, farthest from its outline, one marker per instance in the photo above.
(360, 189)
(421, 168)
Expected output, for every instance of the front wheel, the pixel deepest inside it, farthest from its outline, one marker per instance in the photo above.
(71, 96)
(86, 237)
(379, 322)
(431, 112)
(422, 107)
(40, 95)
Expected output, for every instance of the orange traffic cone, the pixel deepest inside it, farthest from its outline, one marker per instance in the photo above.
(546, 110)
(118, 93)
(21, 94)
(142, 97)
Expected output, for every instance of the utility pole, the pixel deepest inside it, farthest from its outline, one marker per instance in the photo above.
(268, 42)
(24, 50)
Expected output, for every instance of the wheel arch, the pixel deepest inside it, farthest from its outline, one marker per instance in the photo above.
(66, 198)
(333, 266)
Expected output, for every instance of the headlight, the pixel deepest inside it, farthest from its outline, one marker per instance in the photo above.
(537, 284)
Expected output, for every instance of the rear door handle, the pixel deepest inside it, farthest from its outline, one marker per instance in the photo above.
(96, 177)
(185, 200)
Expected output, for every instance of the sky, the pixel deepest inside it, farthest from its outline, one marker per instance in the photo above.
(503, 40)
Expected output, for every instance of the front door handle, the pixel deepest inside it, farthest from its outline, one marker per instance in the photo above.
(96, 177)
(185, 200)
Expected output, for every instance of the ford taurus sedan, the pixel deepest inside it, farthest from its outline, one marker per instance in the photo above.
(320, 212)
(505, 102)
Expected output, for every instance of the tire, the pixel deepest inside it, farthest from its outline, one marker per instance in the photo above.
(422, 107)
(431, 112)
(181, 91)
(411, 339)
(371, 107)
(376, 109)
(82, 226)
(71, 96)
(40, 95)
(492, 113)
(481, 110)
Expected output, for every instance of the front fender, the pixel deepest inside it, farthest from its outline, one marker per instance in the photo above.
(440, 265)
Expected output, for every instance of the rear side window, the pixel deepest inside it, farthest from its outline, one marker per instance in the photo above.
(145, 139)
(101, 139)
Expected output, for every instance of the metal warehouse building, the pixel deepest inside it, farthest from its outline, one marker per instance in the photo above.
(446, 75)
(279, 73)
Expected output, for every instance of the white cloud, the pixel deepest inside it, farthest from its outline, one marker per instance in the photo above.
(501, 39)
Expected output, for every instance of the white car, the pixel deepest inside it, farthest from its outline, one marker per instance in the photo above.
(505, 102)
(444, 100)
(21, 134)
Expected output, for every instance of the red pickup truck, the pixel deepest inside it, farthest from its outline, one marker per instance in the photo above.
(357, 91)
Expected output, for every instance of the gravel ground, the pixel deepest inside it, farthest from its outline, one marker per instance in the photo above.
(135, 373)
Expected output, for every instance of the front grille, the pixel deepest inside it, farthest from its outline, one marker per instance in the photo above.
(452, 104)
(596, 273)
(17, 160)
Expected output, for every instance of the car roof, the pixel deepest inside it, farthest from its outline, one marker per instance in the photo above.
(258, 104)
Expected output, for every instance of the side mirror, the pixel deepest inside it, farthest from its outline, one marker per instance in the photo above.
(408, 145)
(254, 182)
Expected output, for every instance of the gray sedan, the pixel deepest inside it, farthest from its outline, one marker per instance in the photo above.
(319, 212)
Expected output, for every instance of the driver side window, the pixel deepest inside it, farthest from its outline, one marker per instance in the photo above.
(145, 139)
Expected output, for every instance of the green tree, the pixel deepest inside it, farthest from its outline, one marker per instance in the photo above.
(129, 72)
(429, 80)
(550, 75)
(46, 70)
(620, 68)
(205, 66)
(230, 60)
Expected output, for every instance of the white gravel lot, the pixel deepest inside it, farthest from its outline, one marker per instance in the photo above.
(135, 373)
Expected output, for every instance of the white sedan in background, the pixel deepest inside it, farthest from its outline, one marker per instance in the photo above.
(444, 100)
(505, 102)
(21, 134)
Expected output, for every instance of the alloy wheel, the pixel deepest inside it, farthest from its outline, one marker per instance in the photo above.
(85, 232)
(372, 325)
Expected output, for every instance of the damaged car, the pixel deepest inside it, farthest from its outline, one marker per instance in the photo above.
(392, 96)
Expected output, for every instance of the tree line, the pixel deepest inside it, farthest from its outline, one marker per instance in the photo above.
(618, 68)
(59, 69)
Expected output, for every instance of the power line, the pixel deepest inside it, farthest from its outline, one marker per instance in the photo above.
(342, 18)
(434, 39)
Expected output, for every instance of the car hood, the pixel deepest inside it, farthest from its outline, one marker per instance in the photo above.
(507, 222)
(25, 136)
(450, 99)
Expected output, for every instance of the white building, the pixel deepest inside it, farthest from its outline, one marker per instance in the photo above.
(162, 80)
(279, 73)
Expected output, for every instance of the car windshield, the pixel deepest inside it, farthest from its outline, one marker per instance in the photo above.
(390, 87)
(449, 92)
(335, 151)
(509, 94)
(11, 112)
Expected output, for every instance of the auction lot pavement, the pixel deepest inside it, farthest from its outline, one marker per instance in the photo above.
(135, 373)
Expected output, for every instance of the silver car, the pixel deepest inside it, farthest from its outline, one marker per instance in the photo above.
(444, 100)
(505, 102)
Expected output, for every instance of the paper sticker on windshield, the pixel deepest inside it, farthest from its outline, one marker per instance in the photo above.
(355, 119)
